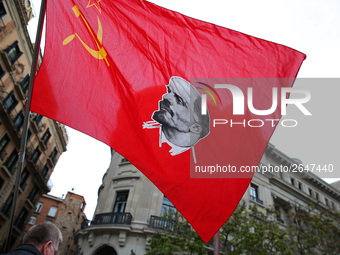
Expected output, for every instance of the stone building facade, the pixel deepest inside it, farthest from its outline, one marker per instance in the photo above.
(127, 201)
(46, 138)
(66, 213)
(129, 205)
(69, 220)
(284, 190)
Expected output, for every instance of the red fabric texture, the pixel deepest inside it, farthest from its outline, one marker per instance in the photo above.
(110, 98)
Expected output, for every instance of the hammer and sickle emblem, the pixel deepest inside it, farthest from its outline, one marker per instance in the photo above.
(101, 52)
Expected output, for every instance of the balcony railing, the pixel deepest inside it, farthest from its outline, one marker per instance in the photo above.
(159, 223)
(255, 199)
(112, 218)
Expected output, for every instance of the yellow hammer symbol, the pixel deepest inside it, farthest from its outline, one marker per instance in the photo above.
(101, 52)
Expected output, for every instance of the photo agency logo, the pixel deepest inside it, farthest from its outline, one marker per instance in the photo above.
(185, 116)
(244, 113)
(242, 99)
(225, 124)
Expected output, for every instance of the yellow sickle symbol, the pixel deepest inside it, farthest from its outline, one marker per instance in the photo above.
(100, 53)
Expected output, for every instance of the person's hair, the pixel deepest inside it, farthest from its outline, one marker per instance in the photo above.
(42, 233)
(204, 120)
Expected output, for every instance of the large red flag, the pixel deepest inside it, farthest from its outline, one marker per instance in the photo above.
(104, 72)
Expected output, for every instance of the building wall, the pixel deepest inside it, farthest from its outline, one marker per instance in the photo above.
(68, 217)
(46, 138)
(111, 233)
(43, 212)
(144, 200)
(287, 190)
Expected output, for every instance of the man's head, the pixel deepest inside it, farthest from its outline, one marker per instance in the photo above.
(180, 114)
(45, 237)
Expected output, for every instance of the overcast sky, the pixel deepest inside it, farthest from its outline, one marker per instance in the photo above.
(309, 26)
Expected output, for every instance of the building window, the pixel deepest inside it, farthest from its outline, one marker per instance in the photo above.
(54, 154)
(326, 202)
(2, 9)
(3, 143)
(316, 196)
(168, 208)
(29, 133)
(37, 119)
(120, 202)
(13, 52)
(53, 211)
(333, 205)
(36, 154)
(278, 215)
(21, 218)
(292, 180)
(7, 205)
(310, 192)
(44, 172)
(46, 136)
(24, 83)
(38, 207)
(24, 176)
(2, 181)
(124, 160)
(300, 186)
(12, 161)
(254, 194)
(34, 194)
(10, 102)
(48, 221)
(2, 72)
(19, 120)
(119, 207)
(32, 220)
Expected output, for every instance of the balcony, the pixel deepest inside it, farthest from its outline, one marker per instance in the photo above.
(50, 162)
(19, 91)
(255, 199)
(42, 145)
(159, 223)
(112, 218)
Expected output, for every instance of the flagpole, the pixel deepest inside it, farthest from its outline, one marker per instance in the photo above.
(26, 120)
(217, 243)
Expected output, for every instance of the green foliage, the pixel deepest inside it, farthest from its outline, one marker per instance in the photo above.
(177, 237)
(162, 244)
(314, 231)
(251, 230)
